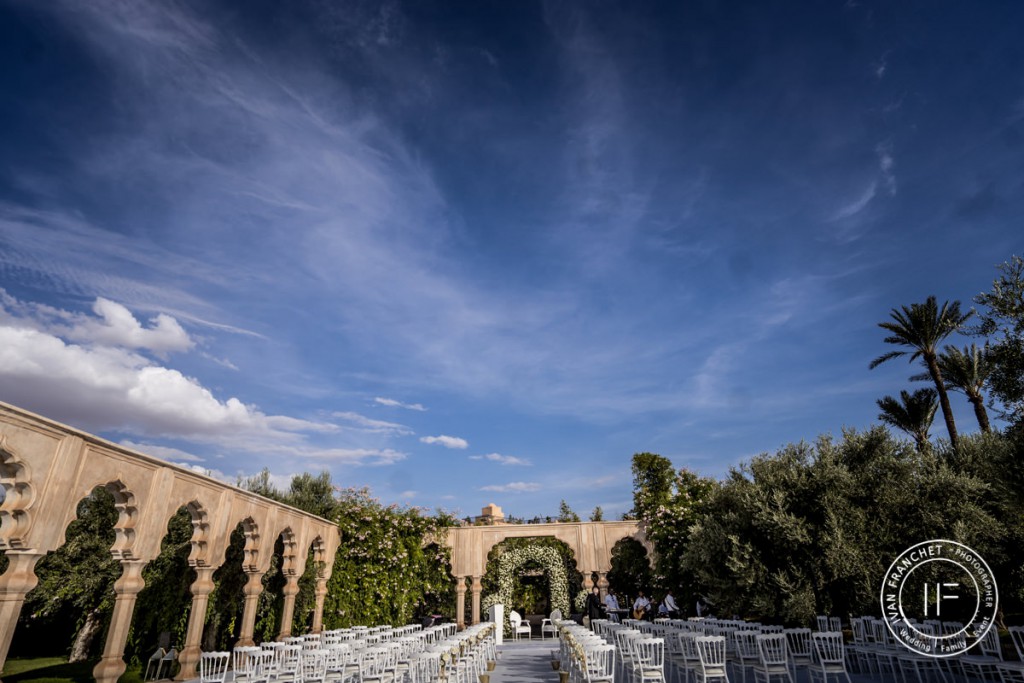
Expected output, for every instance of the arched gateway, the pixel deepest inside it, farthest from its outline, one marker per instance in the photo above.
(591, 542)
(47, 468)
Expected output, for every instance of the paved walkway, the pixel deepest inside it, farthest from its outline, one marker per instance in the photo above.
(527, 661)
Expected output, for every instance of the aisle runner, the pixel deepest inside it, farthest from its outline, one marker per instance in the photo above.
(525, 662)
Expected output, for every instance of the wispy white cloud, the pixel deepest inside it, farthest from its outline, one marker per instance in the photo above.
(857, 205)
(371, 425)
(503, 459)
(446, 441)
(886, 162)
(163, 452)
(392, 403)
(881, 66)
(513, 487)
(372, 456)
(223, 362)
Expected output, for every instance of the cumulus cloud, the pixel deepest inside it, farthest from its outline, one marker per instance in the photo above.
(446, 441)
(367, 424)
(111, 324)
(513, 487)
(392, 403)
(116, 326)
(111, 388)
(503, 459)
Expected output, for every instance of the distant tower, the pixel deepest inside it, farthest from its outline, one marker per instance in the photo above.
(491, 514)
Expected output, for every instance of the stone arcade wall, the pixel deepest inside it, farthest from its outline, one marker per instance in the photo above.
(591, 542)
(46, 468)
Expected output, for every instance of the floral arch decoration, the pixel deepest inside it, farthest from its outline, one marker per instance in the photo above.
(553, 565)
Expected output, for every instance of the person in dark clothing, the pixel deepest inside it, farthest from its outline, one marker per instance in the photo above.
(594, 609)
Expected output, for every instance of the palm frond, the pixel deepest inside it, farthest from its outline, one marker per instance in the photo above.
(884, 357)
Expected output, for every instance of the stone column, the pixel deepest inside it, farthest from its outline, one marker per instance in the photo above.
(15, 583)
(290, 590)
(126, 589)
(588, 580)
(477, 588)
(460, 601)
(318, 611)
(189, 655)
(602, 583)
(253, 588)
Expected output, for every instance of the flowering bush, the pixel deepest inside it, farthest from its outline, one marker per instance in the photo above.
(385, 571)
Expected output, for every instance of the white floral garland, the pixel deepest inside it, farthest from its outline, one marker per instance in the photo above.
(554, 566)
(580, 602)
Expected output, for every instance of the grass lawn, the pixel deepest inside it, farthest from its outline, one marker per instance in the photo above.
(57, 670)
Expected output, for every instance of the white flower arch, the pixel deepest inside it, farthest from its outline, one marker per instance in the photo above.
(509, 563)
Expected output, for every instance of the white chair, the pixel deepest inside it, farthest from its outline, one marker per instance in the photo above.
(923, 667)
(241, 664)
(822, 621)
(313, 666)
(830, 657)
(600, 664)
(772, 659)
(625, 639)
(519, 626)
(154, 663)
(548, 625)
(261, 665)
(798, 648)
(288, 665)
(744, 651)
(983, 660)
(424, 667)
(1013, 672)
(711, 655)
(213, 667)
(684, 658)
(374, 666)
(650, 660)
(168, 661)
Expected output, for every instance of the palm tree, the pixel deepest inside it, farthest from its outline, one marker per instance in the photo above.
(921, 327)
(966, 370)
(913, 414)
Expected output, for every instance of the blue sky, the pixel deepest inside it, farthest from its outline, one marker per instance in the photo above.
(475, 252)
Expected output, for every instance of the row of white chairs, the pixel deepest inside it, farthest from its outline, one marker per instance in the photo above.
(363, 655)
(707, 649)
(877, 653)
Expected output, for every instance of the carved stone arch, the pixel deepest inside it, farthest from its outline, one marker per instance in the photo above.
(127, 507)
(318, 549)
(200, 553)
(18, 496)
(289, 553)
(127, 519)
(251, 551)
(124, 527)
